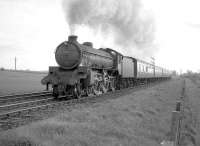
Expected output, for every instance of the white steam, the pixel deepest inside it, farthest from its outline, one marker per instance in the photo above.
(124, 20)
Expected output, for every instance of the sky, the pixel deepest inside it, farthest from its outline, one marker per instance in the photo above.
(31, 30)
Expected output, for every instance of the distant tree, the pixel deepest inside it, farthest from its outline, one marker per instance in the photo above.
(2, 69)
(189, 72)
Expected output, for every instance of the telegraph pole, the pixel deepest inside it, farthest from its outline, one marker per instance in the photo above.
(153, 60)
(15, 63)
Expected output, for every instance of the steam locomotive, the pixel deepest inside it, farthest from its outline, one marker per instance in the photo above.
(84, 70)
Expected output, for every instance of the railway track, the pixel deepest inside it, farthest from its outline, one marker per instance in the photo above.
(6, 98)
(11, 104)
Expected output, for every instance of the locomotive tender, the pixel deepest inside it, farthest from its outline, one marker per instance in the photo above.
(84, 70)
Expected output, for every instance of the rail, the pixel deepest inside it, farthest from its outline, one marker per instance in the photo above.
(24, 94)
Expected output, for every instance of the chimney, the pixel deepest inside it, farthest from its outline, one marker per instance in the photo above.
(72, 38)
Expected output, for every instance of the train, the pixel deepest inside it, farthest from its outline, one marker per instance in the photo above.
(84, 70)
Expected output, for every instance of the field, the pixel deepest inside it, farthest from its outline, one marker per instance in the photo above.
(12, 82)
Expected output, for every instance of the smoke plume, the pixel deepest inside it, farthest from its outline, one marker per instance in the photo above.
(126, 20)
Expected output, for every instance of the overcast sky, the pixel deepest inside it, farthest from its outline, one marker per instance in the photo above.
(31, 30)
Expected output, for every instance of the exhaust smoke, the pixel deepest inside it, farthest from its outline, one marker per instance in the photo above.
(130, 26)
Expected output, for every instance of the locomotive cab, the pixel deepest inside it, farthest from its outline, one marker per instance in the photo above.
(117, 57)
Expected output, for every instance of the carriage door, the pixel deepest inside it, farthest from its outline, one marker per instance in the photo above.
(119, 64)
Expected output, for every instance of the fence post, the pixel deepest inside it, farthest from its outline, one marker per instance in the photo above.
(175, 125)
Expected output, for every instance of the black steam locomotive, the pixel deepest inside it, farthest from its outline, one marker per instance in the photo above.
(84, 70)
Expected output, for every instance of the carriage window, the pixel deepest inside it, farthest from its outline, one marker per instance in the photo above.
(139, 68)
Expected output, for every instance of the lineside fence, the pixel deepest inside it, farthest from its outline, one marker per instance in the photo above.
(176, 121)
